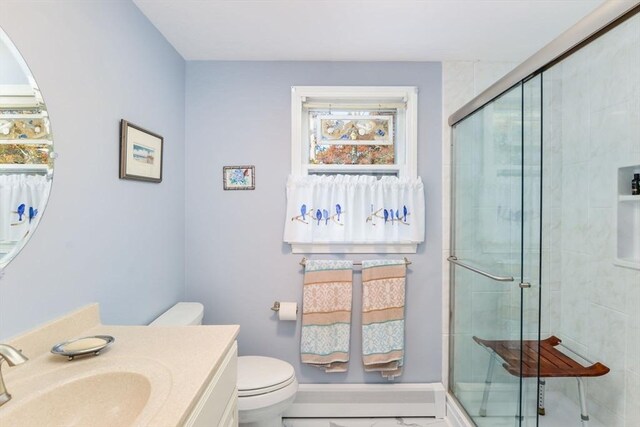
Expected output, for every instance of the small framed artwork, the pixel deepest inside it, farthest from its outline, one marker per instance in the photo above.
(239, 177)
(140, 153)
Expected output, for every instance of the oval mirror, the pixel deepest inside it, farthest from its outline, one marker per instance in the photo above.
(26, 152)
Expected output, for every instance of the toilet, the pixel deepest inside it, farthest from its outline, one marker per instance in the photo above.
(181, 314)
(266, 386)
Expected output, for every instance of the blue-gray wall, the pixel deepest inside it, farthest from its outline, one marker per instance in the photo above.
(236, 263)
(117, 242)
(123, 244)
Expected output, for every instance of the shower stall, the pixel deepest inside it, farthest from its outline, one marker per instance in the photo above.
(545, 235)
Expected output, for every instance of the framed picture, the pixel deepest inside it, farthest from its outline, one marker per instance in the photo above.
(239, 177)
(140, 153)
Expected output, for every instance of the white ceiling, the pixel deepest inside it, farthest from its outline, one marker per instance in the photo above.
(362, 30)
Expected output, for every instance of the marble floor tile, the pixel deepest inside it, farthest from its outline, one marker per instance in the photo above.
(365, 422)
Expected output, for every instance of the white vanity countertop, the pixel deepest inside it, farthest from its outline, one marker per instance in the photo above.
(178, 361)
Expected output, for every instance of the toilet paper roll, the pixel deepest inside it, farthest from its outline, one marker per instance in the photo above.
(288, 311)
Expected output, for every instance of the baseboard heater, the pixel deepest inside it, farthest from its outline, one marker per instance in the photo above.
(368, 400)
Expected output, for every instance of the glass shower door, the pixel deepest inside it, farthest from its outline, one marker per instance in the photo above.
(492, 255)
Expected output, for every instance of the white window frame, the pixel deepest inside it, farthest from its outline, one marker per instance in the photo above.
(406, 165)
(406, 139)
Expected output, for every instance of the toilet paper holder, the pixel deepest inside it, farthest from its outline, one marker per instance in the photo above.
(276, 306)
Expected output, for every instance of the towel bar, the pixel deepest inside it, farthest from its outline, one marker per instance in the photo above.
(304, 261)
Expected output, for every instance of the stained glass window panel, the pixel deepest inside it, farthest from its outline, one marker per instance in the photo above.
(351, 129)
(25, 154)
(354, 155)
(352, 138)
(24, 128)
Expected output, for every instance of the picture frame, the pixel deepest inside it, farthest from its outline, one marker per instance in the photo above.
(239, 177)
(141, 153)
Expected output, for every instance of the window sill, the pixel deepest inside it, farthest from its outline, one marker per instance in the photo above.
(354, 248)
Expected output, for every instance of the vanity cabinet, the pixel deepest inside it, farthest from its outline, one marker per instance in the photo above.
(188, 375)
(218, 405)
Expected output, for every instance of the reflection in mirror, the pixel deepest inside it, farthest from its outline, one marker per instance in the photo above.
(26, 152)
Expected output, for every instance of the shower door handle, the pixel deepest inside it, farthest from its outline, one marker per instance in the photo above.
(452, 259)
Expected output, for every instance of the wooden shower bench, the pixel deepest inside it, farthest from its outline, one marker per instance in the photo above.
(553, 363)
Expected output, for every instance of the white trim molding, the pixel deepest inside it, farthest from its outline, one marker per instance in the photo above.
(354, 248)
(368, 400)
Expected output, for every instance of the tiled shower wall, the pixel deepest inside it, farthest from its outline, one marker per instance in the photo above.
(591, 119)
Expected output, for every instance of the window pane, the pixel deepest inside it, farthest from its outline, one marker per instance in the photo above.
(24, 154)
(354, 155)
(29, 128)
(353, 137)
(352, 129)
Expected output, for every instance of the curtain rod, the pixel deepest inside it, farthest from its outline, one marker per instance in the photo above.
(303, 262)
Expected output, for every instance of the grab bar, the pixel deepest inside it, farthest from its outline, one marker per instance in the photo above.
(452, 259)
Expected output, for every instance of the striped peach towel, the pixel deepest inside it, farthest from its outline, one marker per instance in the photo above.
(383, 296)
(326, 314)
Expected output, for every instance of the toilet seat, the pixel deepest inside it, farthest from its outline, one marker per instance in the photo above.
(258, 375)
(264, 390)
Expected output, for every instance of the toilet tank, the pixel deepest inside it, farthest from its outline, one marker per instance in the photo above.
(181, 314)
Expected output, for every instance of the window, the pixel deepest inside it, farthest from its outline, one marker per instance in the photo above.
(354, 130)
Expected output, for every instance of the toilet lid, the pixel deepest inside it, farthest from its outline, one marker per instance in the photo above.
(259, 375)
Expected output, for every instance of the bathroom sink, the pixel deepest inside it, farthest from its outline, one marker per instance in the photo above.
(147, 378)
(108, 399)
(129, 394)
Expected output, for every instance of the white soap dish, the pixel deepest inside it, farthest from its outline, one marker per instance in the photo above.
(82, 346)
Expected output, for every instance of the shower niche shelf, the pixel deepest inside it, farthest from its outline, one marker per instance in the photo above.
(627, 220)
